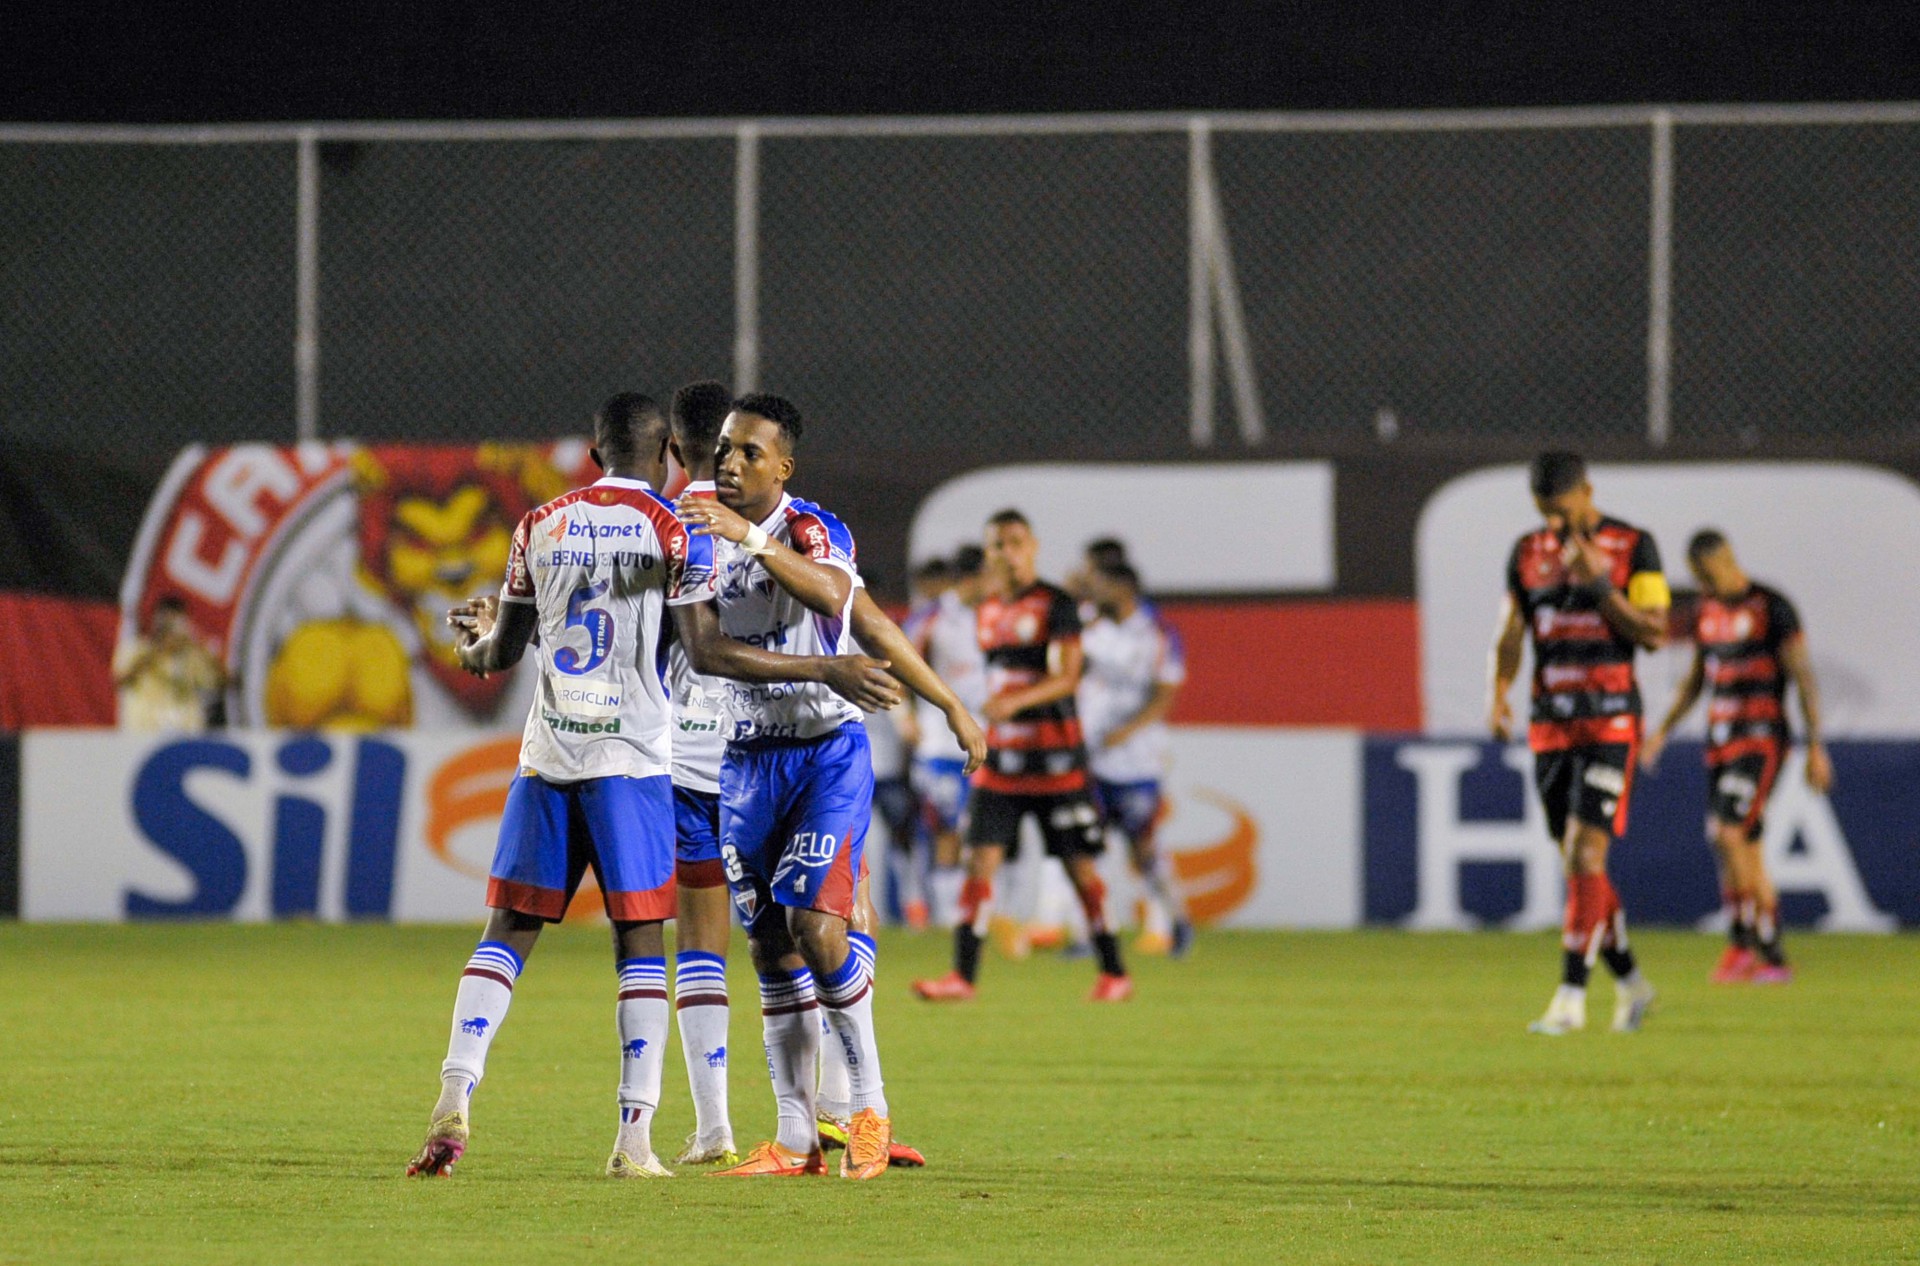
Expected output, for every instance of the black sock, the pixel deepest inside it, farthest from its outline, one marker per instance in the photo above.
(1107, 950)
(1740, 933)
(1619, 961)
(1771, 952)
(1574, 969)
(966, 952)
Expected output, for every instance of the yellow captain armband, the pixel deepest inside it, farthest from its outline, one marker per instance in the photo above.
(1648, 591)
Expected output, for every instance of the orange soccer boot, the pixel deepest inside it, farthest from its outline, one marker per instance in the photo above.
(770, 1160)
(1735, 966)
(869, 1145)
(952, 987)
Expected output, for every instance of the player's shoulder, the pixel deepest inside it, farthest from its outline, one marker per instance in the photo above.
(558, 505)
(798, 508)
(1046, 591)
(809, 524)
(1620, 530)
(1533, 541)
(1777, 602)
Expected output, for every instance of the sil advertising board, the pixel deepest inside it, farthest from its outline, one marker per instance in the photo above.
(1266, 828)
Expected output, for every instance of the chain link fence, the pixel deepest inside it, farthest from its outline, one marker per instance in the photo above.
(955, 292)
(146, 290)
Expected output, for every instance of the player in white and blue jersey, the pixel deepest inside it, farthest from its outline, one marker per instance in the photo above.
(796, 789)
(945, 632)
(1134, 670)
(593, 574)
(700, 993)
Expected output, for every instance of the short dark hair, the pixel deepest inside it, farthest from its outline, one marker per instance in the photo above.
(626, 425)
(1108, 551)
(778, 410)
(699, 411)
(1009, 517)
(931, 571)
(969, 560)
(170, 602)
(1556, 472)
(1705, 542)
(1122, 572)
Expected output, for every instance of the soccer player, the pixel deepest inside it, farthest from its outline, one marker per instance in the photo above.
(796, 791)
(1135, 667)
(593, 574)
(699, 413)
(1590, 591)
(1747, 646)
(945, 633)
(1036, 763)
(704, 911)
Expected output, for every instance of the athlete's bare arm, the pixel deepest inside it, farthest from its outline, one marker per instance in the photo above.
(819, 587)
(1588, 565)
(862, 681)
(1503, 667)
(1064, 663)
(1156, 708)
(1683, 700)
(491, 635)
(1799, 666)
(876, 631)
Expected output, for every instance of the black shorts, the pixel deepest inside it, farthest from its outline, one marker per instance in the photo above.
(1069, 824)
(1740, 781)
(1592, 784)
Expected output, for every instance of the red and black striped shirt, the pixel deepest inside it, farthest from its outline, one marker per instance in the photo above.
(1740, 640)
(1584, 689)
(1039, 751)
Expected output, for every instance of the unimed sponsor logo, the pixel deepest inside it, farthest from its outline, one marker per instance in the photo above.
(569, 725)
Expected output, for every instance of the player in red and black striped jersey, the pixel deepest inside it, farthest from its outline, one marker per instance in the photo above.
(1036, 761)
(1590, 591)
(1747, 646)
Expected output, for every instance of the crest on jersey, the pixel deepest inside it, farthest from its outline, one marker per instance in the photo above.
(322, 572)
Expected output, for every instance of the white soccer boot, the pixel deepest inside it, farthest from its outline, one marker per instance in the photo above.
(1630, 1003)
(1567, 1013)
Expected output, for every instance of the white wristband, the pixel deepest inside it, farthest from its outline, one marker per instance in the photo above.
(757, 541)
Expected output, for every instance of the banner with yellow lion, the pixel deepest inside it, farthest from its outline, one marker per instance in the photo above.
(321, 573)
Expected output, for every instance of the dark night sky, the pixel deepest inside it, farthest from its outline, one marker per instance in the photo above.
(283, 61)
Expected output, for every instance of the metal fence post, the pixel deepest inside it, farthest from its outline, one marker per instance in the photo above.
(1200, 370)
(1660, 285)
(306, 336)
(746, 259)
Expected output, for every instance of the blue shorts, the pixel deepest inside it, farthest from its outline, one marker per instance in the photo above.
(696, 838)
(793, 822)
(943, 788)
(1132, 807)
(552, 832)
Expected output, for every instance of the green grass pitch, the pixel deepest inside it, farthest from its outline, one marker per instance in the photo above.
(250, 1094)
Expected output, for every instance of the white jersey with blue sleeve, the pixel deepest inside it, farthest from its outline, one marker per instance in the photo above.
(601, 565)
(946, 632)
(1125, 660)
(754, 609)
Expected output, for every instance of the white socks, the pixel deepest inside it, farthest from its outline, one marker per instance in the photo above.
(479, 1008)
(641, 1015)
(790, 1025)
(836, 1086)
(943, 895)
(847, 998)
(700, 996)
